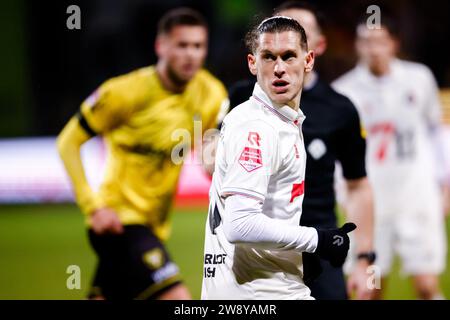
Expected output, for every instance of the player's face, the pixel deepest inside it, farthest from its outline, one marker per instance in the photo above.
(316, 40)
(184, 49)
(280, 65)
(376, 48)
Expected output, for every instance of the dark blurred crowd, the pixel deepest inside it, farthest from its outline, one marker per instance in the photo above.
(48, 70)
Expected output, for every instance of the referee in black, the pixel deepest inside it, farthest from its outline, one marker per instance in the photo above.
(332, 133)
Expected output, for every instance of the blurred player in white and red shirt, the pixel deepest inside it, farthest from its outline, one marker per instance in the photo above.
(253, 242)
(400, 110)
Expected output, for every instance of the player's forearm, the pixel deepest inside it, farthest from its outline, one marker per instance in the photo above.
(438, 145)
(244, 222)
(69, 143)
(359, 209)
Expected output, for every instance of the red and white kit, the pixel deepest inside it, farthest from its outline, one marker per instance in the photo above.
(253, 240)
(401, 114)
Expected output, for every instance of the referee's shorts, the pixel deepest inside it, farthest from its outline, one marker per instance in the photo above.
(330, 283)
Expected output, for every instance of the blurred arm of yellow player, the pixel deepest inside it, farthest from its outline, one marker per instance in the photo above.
(106, 108)
(211, 138)
(209, 152)
(69, 144)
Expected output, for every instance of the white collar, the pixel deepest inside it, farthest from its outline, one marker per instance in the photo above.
(285, 112)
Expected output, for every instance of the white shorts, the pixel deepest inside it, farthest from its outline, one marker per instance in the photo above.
(418, 237)
(415, 231)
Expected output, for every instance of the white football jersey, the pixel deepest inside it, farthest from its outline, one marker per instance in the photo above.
(260, 155)
(397, 111)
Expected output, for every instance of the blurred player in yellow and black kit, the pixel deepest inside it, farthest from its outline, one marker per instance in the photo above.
(137, 113)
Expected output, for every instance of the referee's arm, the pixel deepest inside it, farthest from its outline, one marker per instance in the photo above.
(359, 209)
(359, 201)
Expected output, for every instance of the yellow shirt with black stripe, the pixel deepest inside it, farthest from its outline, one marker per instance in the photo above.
(139, 120)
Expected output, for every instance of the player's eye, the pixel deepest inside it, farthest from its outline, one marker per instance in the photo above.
(269, 57)
(289, 56)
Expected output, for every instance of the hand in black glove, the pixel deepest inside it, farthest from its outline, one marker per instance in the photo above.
(312, 267)
(333, 244)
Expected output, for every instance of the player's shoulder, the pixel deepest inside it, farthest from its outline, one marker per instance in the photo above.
(346, 79)
(132, 77)
(248, 115)
(414, 69)
(131, 87)
(412, 66)
(210, 83)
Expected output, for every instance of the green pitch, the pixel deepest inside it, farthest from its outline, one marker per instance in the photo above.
(39, 242)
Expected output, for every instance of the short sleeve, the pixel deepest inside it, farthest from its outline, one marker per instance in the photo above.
(351, 147)
(252, 157)
(107, 107)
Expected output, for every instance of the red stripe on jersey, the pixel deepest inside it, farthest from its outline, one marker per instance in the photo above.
(297, 190)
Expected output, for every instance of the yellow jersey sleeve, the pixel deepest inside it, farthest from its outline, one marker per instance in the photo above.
(109, 106)
(69, 143)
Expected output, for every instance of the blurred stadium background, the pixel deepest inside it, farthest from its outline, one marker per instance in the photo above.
(47, 70)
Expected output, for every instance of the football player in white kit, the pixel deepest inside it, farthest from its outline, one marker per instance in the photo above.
(253, 242)
(399, 107)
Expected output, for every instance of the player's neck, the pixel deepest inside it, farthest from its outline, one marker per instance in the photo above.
(169, 84)
(380, 71)
(295, 103)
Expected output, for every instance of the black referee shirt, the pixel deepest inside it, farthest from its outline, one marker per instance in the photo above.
(332, 132)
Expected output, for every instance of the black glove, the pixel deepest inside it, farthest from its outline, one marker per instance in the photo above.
(312, 267)
(333, 244)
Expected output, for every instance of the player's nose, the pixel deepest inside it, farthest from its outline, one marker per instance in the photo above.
(192, 51)
(279, 68)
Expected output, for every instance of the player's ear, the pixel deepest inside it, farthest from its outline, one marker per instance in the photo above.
(159, 46)
(309, 61)
(251, 59)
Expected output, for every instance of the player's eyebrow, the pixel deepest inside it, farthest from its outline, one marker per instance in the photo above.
(284, 54)
(265, 52)
(288, 54)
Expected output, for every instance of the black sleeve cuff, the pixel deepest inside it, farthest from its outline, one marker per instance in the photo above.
(85, 125)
